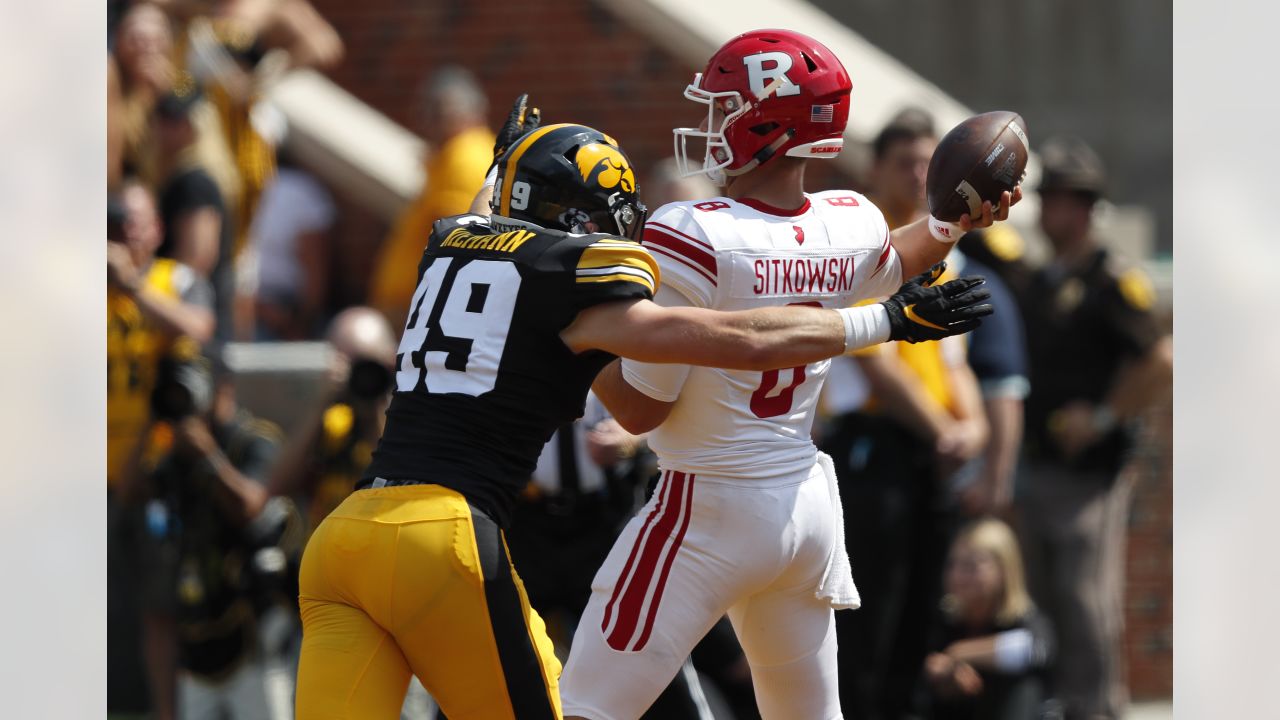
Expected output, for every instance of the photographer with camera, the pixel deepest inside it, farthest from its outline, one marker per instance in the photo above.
(217, 547)
(322, 461)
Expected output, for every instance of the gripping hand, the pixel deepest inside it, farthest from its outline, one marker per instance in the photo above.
(522, 119)
(922, 311)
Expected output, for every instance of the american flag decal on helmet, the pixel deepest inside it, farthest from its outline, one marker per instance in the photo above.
(821, 113)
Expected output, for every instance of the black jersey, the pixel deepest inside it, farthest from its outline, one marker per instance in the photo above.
(483, 378)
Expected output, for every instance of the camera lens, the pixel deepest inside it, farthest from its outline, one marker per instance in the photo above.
(369, 379)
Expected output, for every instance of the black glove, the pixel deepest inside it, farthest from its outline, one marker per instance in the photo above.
(522, 119)
(919, 311)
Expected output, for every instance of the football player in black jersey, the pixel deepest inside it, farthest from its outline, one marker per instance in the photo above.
(512, 318)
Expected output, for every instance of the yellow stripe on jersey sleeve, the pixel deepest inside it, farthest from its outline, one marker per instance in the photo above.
(619, 277)
(630, 260)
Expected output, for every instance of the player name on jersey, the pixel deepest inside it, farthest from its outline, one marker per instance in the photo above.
(790, 275)
(504, 242)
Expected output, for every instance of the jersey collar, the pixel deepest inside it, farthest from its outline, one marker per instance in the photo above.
(768, 209)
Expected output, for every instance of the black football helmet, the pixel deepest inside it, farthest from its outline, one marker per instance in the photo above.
(561, 176)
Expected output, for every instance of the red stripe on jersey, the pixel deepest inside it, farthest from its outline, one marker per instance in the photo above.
(666, 569)
(683, 235)
(622, 580)
(884, 255)
(640, 586)
(681, 244)
(696, 268)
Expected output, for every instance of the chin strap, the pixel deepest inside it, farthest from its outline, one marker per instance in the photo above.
(764, 154)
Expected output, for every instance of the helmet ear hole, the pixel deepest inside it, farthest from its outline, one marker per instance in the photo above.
(764, 128)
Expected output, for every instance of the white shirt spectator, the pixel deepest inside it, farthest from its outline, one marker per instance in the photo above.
(294, 204)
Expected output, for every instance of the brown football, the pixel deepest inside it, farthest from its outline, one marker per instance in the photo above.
(979, 159)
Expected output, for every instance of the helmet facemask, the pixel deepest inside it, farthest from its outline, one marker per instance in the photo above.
(717, 154)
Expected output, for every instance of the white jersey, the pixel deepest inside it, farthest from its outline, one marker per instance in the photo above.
(737, 255)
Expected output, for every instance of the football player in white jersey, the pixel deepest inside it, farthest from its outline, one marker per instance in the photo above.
(746, 517)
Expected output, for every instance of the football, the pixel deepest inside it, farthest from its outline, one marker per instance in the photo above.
(979, 159)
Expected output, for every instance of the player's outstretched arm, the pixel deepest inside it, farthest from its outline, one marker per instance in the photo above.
(759, 339)
(919, 250)
(776, 337)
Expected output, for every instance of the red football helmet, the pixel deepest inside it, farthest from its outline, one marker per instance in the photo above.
(770, 91)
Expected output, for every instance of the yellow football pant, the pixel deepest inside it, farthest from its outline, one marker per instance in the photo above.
(406, 580)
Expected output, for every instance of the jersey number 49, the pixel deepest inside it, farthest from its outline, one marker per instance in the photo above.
(457, 329)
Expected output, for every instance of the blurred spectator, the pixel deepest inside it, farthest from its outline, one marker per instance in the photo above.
(910, 420)
(459, 151)
(196, 220)
(666, 185)
(142, 58)
(220, 554)
(321, 462)
(155, 308)
(900, 165)
(115, 128)
(998, 356)
(237, 49)
(291, 252)
(1098, 360)
(988, 660)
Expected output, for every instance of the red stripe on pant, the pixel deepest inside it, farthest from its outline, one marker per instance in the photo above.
(664, 494)
(666, 568)
(630, 603)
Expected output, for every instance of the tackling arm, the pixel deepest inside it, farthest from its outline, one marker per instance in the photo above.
(759, 339)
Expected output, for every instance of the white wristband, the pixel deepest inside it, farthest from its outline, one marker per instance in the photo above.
(864, 325)
(944, 231)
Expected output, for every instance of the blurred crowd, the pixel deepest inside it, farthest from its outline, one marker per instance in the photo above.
(984, 478)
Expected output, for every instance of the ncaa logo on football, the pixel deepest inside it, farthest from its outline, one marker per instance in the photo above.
(778, 63)
(605, 166)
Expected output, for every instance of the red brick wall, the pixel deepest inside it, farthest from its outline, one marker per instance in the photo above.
(1149, 591)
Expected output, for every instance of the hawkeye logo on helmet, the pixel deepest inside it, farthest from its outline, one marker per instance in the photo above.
(759, 75)
(604, 165)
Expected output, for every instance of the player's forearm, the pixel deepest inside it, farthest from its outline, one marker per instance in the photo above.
(760, 339)
(917, 249)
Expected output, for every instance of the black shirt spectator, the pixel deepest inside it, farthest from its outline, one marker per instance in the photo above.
(188, 190)
(1084, 323)
(1007, 694)
(989, 656)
